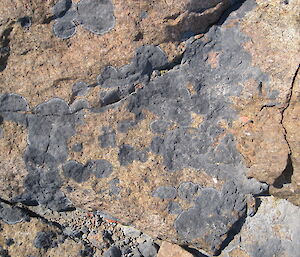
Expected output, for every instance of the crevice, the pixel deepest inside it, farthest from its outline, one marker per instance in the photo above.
(234, 230)
(288, 102)
(194, 252)
(4, 48)
(286, 175)
(290, 94)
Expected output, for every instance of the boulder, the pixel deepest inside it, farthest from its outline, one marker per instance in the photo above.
(176, 142)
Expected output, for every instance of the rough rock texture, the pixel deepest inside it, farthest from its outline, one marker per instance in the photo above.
(25, 52)
(287, 185)
(269, 136)
(143, 123)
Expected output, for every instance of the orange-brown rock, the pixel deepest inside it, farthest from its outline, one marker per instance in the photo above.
(170, 250)
(263, 144)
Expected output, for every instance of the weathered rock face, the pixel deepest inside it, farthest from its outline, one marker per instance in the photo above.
(269, 141)
(174, 148)
(32, 31)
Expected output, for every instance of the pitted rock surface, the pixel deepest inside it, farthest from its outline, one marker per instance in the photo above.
(173, 147)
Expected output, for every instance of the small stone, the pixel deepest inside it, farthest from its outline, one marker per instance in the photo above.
(148, 249)
(167, 249)
(25, 21)
(9, 242)
(131, 232)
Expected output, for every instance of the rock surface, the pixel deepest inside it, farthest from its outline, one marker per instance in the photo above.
(142, 121)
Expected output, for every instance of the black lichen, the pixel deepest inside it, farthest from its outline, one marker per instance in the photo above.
(127, 154)
(165, 192)
(96, 16)
(108, 137)
(213, 213)
(81, 173)
(76, 171)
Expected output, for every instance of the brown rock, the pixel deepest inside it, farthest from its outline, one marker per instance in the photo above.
(262, 142)
(170, 250)
(288, 184)
(269, 144)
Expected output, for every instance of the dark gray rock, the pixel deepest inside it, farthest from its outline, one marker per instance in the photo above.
(113, 252)
(148, 249)
(11, 215)
(165, 192)
(96, 16)
(45, 240)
